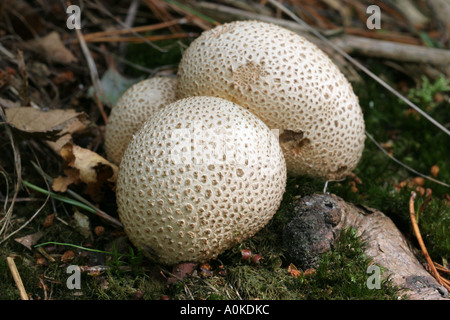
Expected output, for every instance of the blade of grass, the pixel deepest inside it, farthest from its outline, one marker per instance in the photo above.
(73, 246)
(59, 197)
(74, 203)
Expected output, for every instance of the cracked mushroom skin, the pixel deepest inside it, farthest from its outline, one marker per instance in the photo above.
(199, 177)
(287, 82)
(136, 105)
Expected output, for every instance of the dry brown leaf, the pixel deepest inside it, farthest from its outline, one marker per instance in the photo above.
(61, 183)
(91, 165)
(49, 220)
(85, 166)
(29, 240)
(55, 126)
(68, 256)
(53, 48)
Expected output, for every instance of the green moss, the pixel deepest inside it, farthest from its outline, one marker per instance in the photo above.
(342, 274)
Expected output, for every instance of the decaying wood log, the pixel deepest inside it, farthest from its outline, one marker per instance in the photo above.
(318, 222)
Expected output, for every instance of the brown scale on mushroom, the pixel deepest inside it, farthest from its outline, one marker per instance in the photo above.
(214, 175)
(287, 82)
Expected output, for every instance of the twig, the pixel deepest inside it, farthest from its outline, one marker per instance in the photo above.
(391, 36)
(159, 9)
(83, 203)
(421, 243)
(404, 165)
(393, 50)
(89, 208)
(140, 39)
(152, 27)
(17, 279)
(102, 8)
(129, 21)
(18, 168)
(441, 268)
(94, 74)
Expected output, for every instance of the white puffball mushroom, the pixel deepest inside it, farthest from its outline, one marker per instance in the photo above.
(135, 106)
(289, 83)
(200, 176)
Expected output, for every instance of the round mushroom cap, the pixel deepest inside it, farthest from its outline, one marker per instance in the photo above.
(136, 105)
(200, 176)
(289, 83)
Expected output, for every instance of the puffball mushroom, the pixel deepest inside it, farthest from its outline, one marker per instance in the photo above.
(136, 105)
(200, 176)
(289, 83)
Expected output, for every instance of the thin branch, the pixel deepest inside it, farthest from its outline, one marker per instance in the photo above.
(98, 91)
(140, 39)
(404, 165)
(18, 168)
(134, 30)
(102, 8)
(17, 279)
(421, 243)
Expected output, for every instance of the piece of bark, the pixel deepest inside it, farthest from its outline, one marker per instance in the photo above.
(318, 222)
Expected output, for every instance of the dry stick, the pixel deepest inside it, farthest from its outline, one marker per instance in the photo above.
(94, 74)
(160, 11)
(15, 273)
(129, 21)
(421, 243)
(152, 27)
(105, 11)
(392, 50)
(404, 165)
(18, 167)
(441, 268)
(139, 39)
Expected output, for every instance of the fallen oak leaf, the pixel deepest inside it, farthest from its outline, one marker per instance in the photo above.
(61, 183)
(90, 164)
(51, 47)
(29, 240)
(55, 126)
(85, 166)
